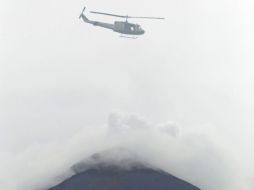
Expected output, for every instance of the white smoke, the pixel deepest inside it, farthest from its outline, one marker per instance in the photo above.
(190, 76)
(195, 156)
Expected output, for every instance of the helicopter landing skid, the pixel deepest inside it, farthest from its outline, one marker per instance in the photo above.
(130, 37)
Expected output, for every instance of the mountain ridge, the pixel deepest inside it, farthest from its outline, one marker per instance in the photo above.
(119, 169)
(113, 178)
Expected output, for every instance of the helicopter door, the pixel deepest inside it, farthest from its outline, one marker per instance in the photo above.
(119, 26)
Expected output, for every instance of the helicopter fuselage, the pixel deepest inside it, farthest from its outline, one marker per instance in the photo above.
(128, 28)
(122, 27)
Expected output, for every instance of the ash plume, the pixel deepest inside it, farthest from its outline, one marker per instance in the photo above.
(123, 143)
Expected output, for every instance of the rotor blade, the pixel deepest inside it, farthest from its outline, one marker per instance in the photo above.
(121, 16)
(146, 17)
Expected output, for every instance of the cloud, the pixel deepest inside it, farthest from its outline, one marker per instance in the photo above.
(61, 78)
(193, 156)
(121, 122)
(170, 128)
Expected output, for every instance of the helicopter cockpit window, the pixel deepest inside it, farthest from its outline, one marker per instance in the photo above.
(138, 27)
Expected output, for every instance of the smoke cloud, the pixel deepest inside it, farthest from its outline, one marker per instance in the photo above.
(195, 156)
(186, 87)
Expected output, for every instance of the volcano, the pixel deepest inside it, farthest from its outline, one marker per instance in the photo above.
(123, 174)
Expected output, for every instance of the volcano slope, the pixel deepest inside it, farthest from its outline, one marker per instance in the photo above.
(119, 169)
(114, 178)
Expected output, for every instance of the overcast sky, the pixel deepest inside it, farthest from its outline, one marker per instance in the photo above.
(59, 75)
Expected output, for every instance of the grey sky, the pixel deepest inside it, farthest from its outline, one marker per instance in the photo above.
(59, 75)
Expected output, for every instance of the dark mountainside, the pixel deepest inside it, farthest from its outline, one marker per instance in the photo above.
(111, 179)
(98, 175)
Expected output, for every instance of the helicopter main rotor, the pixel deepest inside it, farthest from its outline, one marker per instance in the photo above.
(125, 16)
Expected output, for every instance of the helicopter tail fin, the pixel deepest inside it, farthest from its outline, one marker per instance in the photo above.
(84, 18)
(82, 13)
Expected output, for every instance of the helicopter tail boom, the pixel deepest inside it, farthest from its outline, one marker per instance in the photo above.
(95, 23)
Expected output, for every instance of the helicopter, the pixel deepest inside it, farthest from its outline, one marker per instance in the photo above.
(125, 28)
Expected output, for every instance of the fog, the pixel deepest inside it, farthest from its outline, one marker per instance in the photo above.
(181, 96)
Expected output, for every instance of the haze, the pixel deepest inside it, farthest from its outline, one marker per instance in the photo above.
(60, 80)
